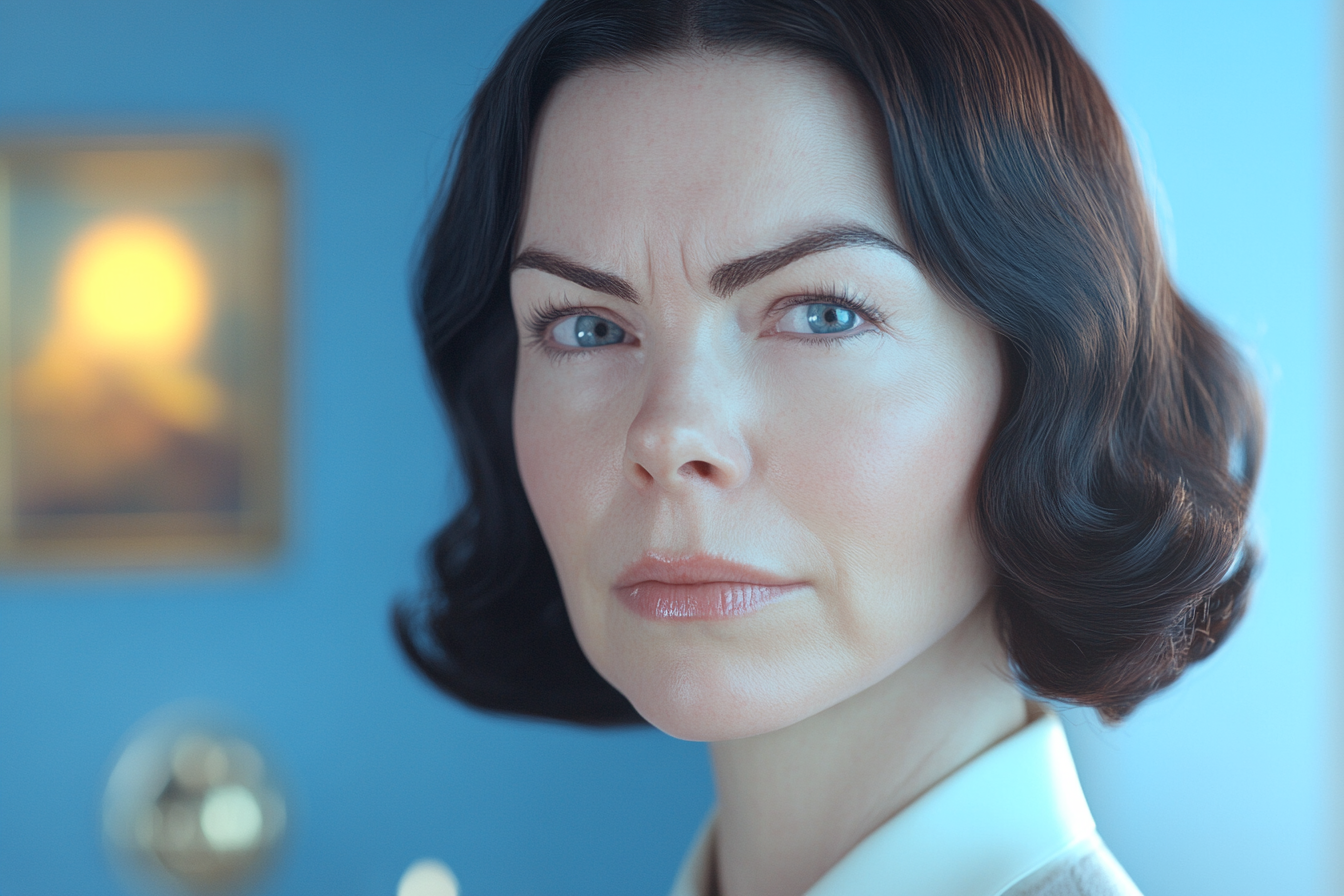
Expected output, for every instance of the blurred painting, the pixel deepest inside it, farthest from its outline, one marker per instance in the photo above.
(140, 351)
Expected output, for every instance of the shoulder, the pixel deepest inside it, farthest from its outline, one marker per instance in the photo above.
(1087, 869)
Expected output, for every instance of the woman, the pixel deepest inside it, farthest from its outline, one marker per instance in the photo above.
(822, 389)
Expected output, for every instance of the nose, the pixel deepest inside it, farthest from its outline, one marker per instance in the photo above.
(688, 429)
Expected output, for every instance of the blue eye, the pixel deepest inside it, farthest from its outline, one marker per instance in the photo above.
(830, 318)
(819, 318)
(587, 331)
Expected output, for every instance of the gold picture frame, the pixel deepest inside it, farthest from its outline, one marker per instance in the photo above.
(141, 343)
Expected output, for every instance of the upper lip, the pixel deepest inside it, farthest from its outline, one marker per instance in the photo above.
(695, 569)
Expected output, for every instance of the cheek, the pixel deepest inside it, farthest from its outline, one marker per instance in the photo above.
(569, 445)
(885, 479)
(880, 466)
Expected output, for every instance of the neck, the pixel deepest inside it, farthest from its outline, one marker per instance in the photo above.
(793, 802)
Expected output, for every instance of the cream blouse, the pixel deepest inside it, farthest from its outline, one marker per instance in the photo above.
(1011, 822)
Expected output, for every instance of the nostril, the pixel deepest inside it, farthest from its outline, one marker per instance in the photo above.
(700, 468)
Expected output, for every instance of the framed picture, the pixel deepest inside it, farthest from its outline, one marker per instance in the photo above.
(141, 338)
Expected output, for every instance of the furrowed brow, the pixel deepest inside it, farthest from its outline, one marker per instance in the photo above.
(734, 275)
(578, 274)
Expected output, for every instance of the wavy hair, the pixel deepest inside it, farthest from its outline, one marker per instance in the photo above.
(1115, 494)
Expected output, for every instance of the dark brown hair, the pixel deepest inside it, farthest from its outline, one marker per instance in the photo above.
(1115, 494)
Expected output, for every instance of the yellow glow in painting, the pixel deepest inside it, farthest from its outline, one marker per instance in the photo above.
(115, 397)
(134, 286)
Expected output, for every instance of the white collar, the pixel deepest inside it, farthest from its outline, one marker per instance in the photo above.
(986, 826)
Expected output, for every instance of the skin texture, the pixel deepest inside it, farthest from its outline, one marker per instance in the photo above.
(721, 424)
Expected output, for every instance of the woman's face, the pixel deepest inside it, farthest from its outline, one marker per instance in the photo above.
(749, 428)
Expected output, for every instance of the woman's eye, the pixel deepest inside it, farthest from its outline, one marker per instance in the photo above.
(819, 318)
(587, 331)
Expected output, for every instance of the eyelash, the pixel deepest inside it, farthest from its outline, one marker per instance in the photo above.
(540, 320)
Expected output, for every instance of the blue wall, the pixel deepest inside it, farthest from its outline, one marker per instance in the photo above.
(1214, 788)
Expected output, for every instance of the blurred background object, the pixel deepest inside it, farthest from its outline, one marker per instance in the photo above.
(191, 805)
(428, 877)
(140, 291)
(1220, 786)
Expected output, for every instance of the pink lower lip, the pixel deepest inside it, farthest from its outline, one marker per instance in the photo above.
(704, 600)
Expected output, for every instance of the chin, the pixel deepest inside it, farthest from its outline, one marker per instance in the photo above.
(704, 698)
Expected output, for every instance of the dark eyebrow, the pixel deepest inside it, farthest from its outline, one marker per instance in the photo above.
(588, 278)
(734, 275)
(729, 277)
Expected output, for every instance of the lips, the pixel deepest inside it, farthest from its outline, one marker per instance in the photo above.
(698, 587)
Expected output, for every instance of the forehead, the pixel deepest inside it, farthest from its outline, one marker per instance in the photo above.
(712, 155)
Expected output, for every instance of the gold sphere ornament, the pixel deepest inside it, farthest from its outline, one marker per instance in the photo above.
(190, 804)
